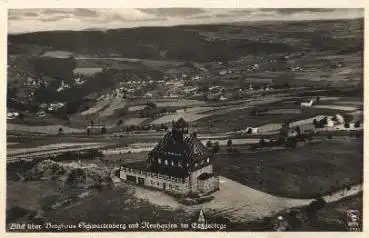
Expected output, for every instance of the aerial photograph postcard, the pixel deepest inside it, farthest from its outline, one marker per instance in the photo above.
(184, 119)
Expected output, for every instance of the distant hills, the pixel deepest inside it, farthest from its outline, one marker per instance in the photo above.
(203, 43)
(165, 49)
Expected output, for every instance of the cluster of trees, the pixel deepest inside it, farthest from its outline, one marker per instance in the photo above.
(231, 149)
(88, 154)
(284, 139)
(161, 127)
(321, 123)
(255, 111)
(214, 147)
(103, 130)
(153, 111)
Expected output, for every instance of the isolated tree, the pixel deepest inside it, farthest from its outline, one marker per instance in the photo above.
(347, 125)
(91, 123)
(291, 142)
(298, 130)
(229, 142)
(60, 131)
(315, 123)
(283, 133)
(103, 130)
(216, 147)
(209, 144)
(324, 121)
(88, 131)
(119, 122)
(249, 131)
(262, 142)
(357, 124)
(162, 126)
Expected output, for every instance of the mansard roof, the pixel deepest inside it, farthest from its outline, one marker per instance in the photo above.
(175, 146)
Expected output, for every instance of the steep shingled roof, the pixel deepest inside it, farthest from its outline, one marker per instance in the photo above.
(182, 148)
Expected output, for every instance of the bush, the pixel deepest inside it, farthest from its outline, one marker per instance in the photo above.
(119, 122)
(229, 142)
(262, 142)
(209, 144)
(216, 147)
(254, 147)
(314, 206)
(103, 130)
(291, 142)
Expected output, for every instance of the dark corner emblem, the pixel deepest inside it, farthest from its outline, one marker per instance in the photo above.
(353, 220)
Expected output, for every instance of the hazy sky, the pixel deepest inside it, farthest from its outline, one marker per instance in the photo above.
(30, 20)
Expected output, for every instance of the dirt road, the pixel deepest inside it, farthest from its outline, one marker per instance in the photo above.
(238, 202)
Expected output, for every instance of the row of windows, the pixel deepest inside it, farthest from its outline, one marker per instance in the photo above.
(164, 185)
(180, 164)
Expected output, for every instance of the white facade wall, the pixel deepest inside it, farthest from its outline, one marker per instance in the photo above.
(157, 180)
(197, 173)
(172, 184)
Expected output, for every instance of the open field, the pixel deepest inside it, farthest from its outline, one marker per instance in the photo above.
(50, 129)
(87, 71)
(114, 105)
(34, 120)
(300, 173)
(99, 106)
(241, 119)
(49, 147)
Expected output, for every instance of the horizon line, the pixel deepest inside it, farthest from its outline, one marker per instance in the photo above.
(175, 25)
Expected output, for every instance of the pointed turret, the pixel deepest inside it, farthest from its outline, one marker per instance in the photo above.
(201, 218)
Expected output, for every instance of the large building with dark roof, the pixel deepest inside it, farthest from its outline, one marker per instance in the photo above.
(179, 163)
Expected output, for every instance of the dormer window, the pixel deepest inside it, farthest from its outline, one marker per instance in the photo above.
(207, 160)
(172, 163)
(195, 165)
(159, 161)
(188, 165)
(166, 162)
(180, 164)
